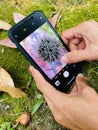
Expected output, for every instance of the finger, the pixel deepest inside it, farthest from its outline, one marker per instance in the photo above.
(80, 82)
(74, 56)
(66, 41)
(60, 117)
(75, 41)
(78, 46)
(56, 113)
(71, 33)
(74, 90)
(46, 88)
(82, 45)
(40, 81)
(73, 47)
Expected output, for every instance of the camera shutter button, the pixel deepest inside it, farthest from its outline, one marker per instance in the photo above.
(66, 74)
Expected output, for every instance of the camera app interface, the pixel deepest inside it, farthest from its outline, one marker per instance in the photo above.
(45, 49)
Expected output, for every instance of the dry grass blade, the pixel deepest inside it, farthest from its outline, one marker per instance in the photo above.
(4, 25)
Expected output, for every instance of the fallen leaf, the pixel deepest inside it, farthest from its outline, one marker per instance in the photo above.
(13, 92)
(7, 85)
(18, 17)
(24, 118)
(53, 20)
(37, 105)
(7, 42)
(5, 25)
(5, 78)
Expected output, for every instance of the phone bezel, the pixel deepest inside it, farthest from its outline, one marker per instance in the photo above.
(26, 22)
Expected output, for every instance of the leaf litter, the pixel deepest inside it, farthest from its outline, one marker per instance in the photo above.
(7, 85)
(4, 25)
(24, 118)
(17, 18)
(6, 82)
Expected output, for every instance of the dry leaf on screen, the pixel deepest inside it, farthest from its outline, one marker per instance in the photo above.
(5, 25)
(7, 85)
(24, 118)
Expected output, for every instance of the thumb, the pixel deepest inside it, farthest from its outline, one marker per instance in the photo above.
(74, 56)
(80, 82)
(46, 88)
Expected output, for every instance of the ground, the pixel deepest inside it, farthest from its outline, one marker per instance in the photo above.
(72, 12)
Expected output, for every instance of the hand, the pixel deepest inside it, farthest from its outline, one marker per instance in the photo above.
(82, 41)
(78, 110)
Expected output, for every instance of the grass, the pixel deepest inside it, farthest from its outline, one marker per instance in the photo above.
(72, 13)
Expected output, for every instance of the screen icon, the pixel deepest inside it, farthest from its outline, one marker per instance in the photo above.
(66, 74)
(57, 83)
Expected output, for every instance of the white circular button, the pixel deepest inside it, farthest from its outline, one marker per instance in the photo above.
(66, 74)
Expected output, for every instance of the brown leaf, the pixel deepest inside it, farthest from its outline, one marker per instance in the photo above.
(13, 92)
(5, 78)
(53, 20)
(4, 25)
(18, 17)
(7, 85)
(7, 42)
(24, 118)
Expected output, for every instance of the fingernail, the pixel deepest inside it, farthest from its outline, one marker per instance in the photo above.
(64, 59)
(80, 75)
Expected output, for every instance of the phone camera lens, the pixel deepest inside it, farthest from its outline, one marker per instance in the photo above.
(24, 29)
(16, 36)
(33, 23)
(31, 17)
(41, 18)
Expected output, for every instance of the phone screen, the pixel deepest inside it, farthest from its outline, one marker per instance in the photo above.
(45, 49)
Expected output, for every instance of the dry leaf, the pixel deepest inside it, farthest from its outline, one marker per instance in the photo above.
(7, 85)
(53, 20)
(18, 17)
(24, 118)
(7, 42)
(4, 25)
(5, 79)
(13, 92)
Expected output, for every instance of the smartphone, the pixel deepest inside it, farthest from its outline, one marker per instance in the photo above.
(39, 42)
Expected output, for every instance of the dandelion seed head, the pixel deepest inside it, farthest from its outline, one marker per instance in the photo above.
(49, 49)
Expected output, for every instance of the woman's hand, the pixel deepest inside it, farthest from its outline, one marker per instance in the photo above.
(82, 41)
(78, 110)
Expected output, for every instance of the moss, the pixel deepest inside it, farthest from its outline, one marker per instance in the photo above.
(72, 13)
(78, 15)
